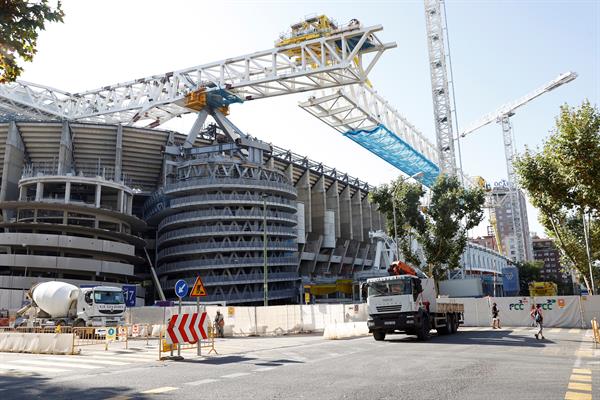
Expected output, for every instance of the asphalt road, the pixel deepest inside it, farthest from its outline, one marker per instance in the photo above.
(472, 364)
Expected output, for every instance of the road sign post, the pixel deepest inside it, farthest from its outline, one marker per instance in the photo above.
(198, 291)
(181, 290)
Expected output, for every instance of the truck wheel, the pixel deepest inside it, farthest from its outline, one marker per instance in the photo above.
(379, 335)
(456, 322)
(423, 330)
(79, 323)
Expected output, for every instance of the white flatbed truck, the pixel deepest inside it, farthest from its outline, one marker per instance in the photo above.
(409, 304)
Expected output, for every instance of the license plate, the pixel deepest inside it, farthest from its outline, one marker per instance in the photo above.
(389, 323)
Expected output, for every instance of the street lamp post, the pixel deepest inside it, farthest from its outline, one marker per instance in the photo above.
(586, 236)
(265, 268)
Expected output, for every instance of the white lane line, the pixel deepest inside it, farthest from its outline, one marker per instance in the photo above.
(123, 359)
(31, 368)
(574, 330)
(555, 330)
(237, 375)
(51, 363)
(163, 389)
(264, 369)
(79, 359)
(201, 382)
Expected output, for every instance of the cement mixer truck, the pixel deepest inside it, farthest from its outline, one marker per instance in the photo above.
(60, 303)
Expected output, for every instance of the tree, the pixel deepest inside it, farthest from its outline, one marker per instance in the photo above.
(440, 228)
(529, 271)
(563, 182)
(20, 23)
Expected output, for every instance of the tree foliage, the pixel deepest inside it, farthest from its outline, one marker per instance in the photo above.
(440, 228)
(529, 271)
(20, 23)
(563, 181)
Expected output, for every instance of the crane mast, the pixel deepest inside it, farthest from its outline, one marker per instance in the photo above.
(442, 107)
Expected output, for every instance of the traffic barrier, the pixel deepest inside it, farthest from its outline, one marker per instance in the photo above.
(166, 347)
(37, 343)
(345, 330)
(596, 331)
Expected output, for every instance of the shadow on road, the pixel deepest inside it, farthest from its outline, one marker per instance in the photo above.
(218, 360)
(276, 363)
(34, 386)
(500, 337)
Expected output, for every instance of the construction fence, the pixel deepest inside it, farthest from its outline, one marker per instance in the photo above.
(559, 311)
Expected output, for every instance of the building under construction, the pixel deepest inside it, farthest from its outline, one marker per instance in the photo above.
(101, 203)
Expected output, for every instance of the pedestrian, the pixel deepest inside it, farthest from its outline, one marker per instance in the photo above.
(538, 318)
(219, 324)
(495, 318)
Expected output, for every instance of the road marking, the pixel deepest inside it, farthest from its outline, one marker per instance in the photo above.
(50, 363)
(201, 382)
(574, 330)
(581, 378)
(578, 396)
(263, 369)
(163, 389)
(585, 371)
(78, 359)
(31, 368)
(555, 330)
(236, 375)
(587, 387)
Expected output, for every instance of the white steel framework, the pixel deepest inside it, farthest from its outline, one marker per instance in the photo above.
(320, 63)
(442, 108)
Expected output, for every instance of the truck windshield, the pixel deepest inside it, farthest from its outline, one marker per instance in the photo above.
(390, 288)
(108, 297)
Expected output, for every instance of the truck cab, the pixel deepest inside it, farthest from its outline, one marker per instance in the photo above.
(409, 304)
(100, 306)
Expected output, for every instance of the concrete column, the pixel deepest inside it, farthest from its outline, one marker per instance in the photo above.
(318, 206)
(357, 217)
(289, 172)
(120, 201)
(22, 193)
(333, 204)
(375, 217)
(305, 196)
(15, 156)
(346, 221)
(65, 152)
(367, 220)
(129, 204)
(270, 163)
(67, 192)
(119, 155)
(39, 191)
(98, 195)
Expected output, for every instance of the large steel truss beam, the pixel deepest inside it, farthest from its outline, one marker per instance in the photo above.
(320, 63)
(357, 110)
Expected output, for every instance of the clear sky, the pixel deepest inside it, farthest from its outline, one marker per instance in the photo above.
(501, 50)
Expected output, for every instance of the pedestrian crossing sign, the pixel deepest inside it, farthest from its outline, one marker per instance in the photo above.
(198, 290)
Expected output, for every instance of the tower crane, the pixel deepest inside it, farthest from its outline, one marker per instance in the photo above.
(442, 107)
(502, 116)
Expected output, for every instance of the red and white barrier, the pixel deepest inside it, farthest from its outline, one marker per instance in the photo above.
(187, 328)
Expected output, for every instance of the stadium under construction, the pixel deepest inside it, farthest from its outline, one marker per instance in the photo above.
(92, 190)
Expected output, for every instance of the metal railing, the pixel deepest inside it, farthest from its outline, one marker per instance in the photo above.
(211, 247)
(208, 230)
(95, 170)
(201, 183)
(214, 264)
(227, 215)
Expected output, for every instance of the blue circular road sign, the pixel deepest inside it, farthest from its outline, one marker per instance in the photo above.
(181, 288)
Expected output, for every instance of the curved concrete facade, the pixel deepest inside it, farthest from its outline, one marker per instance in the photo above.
(211, 223)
